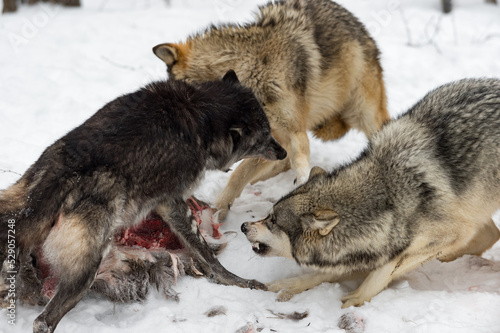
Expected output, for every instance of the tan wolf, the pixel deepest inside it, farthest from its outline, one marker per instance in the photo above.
(312, 65)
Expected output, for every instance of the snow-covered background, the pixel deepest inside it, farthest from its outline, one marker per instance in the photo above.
(58, 66)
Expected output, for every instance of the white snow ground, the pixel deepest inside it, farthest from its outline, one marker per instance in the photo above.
(58, 66)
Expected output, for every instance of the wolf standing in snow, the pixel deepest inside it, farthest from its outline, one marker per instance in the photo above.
(311, 63)
(143, 151)
(426, 187)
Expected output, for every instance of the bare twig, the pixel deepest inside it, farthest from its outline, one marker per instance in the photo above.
(407, 27)
(10, 171)
(430, 33)
(130, 68)
(431, 37)
(491, 36)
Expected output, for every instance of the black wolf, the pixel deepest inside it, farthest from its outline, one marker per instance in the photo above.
(143, 151)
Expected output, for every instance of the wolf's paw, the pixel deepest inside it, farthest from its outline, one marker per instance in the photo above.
(220, 275)
(222, 207)
(299, 181)
(286, 294)
(254, 284)
(221, 214)
(352, 300)
(40, 326)
(286, 289)
(301, 175)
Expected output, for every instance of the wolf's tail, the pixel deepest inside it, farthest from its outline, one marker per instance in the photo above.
(28, 210)
(10, 205)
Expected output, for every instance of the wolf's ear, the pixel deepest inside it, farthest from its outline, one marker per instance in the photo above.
(230, 76)
(169, 53)
(316, 171)
(324, 221)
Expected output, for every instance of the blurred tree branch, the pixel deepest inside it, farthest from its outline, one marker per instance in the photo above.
(11, 5)
(447, 6)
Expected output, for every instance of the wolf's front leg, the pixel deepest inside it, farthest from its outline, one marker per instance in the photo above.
(178, 216)
(378, 279)
(249, 170)
(300, 156)
(287, 288)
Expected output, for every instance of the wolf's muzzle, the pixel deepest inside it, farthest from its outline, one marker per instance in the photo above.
(281, 154)
(275, 151)
(244, 228)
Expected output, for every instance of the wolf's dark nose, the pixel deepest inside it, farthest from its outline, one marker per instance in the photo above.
(281, 154)
(244, 228)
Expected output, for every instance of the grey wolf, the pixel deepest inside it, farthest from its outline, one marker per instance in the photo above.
(312, 65)
(141, 152)
(425, 187)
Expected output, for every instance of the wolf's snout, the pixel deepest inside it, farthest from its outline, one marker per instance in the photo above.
(276, 151)
(281, 154)
(244, 228)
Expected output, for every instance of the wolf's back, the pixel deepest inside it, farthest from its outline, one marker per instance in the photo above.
(463, 121)
(331, 23)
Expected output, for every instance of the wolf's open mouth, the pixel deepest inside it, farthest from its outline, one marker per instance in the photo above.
(260, 248)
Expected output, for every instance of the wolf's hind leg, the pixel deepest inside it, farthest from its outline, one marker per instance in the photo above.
(333, 128)
(74, 249)
(481, 241)
(371, 100)
(484, 239)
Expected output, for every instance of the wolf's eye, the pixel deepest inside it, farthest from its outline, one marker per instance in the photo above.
(269, 220)
(235, 135)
